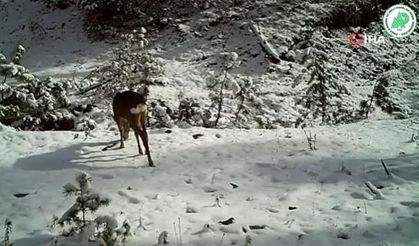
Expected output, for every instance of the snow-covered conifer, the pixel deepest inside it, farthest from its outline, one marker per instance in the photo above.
(87, 200)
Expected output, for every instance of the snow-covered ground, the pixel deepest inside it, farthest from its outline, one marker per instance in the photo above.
(274, 170)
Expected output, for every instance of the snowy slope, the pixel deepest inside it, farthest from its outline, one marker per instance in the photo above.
(55, 42)
(190, 52)
(274, 170)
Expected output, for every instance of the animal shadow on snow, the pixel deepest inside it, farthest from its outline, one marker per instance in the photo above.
(74, 157)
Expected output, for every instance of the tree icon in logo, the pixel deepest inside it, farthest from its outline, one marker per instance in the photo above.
(399, 21)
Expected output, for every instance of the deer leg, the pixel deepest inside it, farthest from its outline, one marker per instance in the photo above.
(126, 130)
(121, 134)
(140, 151)
(144, 138)
(121, 127)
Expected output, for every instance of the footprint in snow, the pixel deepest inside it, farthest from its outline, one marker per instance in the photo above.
(105, 176)
(410, 204)
(130, 198)
(359, 195)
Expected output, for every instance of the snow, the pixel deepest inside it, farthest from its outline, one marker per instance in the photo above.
(336, 195)
(274, 170)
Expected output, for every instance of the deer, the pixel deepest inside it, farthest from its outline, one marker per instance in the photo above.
(130, 111)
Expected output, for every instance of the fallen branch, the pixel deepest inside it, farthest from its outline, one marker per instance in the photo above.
(385, 168)
(374, 190)
(266, 46)
(92, 87)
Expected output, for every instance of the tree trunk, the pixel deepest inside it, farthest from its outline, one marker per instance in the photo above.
(2, 92)
(83, 210)
(220, 99)
(371, 100)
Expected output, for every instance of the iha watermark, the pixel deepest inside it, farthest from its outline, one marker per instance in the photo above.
(358, 39)
(399, 22)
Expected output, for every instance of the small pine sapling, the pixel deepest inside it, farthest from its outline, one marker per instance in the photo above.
(87, 201)
(7, 232)
(414, 138)
(141, 222)
(248, 241)
(366, 105)
(162, 239)
(244, 92)
(316, 93)
(326, 92)
(311, 140)
(18, 54)
(219, 84)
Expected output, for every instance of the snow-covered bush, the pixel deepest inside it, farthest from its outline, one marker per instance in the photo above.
(192, 111)
(108, 233)
(30, 103)
(87, 200)
(162, 114)
(13, 70)
(387, 100)
(130, 67)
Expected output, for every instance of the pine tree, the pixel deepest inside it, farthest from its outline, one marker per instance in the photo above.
(13, 69)
(87, 200)
(325, 95)
(130, 67)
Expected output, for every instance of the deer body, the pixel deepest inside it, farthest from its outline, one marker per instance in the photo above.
(130, 111)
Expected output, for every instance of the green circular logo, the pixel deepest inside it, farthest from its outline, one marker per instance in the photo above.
(399, 21)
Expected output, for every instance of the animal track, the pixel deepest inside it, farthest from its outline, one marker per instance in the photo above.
(130, 198)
